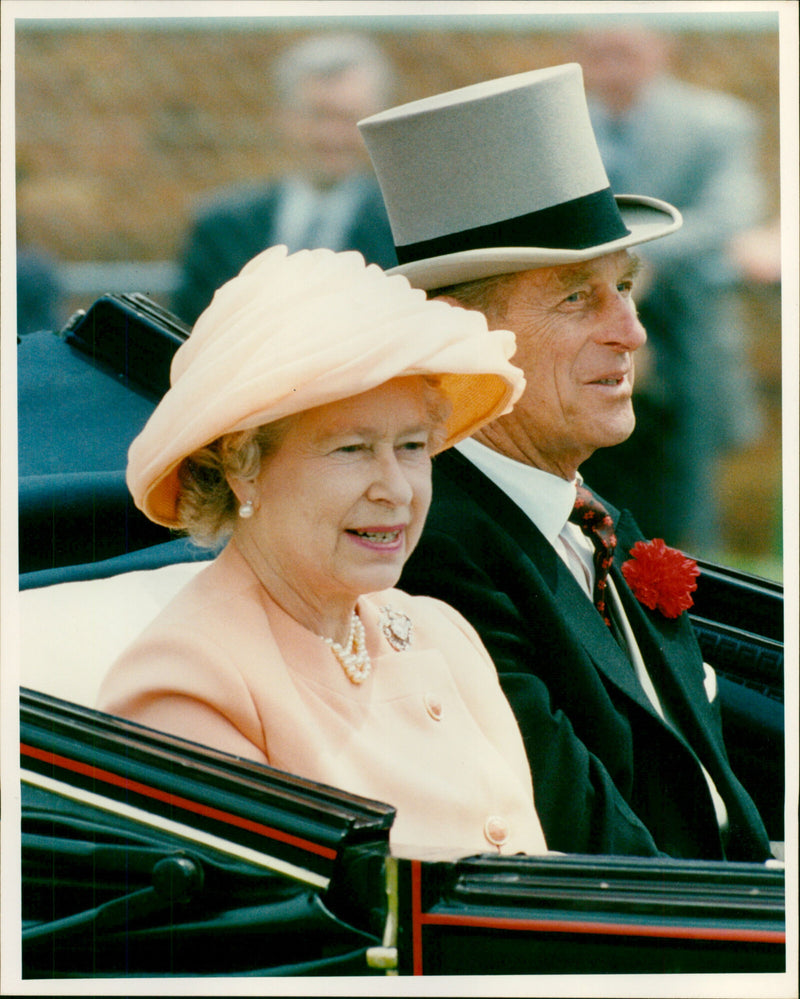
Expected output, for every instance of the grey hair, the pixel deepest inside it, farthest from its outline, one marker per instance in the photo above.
(330, 55)
(487, 295)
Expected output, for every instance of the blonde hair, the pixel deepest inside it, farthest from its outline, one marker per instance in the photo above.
(207, 506)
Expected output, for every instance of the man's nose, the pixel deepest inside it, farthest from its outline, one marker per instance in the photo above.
(622, 327)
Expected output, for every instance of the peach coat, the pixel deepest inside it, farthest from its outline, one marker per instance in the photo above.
(429, 731)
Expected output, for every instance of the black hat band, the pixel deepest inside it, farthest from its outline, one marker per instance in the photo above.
(591, 220)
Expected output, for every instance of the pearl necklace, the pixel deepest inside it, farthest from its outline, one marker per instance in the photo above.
(353, 657)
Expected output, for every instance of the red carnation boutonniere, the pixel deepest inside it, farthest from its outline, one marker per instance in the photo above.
(661, 578)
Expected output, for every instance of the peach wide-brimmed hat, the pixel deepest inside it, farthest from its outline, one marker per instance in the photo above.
(292, 332)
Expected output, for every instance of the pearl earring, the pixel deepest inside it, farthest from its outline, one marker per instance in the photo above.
(246, 510)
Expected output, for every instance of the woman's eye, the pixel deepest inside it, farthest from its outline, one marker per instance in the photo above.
(350, 448)
(411, 446)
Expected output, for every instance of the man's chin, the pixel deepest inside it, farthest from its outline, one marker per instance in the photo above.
(617, 434)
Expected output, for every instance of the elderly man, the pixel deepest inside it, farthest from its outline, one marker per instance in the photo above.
(505, 207)
(324, 84)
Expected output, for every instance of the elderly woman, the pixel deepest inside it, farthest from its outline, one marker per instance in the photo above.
(303, 414)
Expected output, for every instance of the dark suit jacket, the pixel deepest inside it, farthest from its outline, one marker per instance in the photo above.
(609, 775)
(237, 225)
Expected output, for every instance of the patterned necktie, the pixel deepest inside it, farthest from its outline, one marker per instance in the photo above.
(596, 523)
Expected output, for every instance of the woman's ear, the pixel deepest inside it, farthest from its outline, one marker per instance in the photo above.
(243, 489)
(246, 495)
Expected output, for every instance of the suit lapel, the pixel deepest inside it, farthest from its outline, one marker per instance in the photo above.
(568, 601)
(502, 510)
(669, 650)
(609, 658)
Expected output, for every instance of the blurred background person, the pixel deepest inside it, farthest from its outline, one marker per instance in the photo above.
(757, 253)
(696, 399)
(324, 84)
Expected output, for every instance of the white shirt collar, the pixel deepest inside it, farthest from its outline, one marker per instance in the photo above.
(545, 498)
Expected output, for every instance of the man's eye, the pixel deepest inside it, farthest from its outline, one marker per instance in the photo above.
(625, 287)
(414, 446)
(350, 448)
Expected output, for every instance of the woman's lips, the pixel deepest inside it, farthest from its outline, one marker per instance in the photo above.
(379, 538)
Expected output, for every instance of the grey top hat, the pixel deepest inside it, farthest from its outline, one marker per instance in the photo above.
(502, 176)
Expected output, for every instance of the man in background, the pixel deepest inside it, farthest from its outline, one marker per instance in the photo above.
(694, 148)
(331, 199)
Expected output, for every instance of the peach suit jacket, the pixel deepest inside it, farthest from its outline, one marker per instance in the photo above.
(429, 731)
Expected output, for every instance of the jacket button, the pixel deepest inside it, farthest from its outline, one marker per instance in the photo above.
(433, 706)
(495, 830)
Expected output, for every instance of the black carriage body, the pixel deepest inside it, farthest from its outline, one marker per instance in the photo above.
(589, 915)
(146, 856)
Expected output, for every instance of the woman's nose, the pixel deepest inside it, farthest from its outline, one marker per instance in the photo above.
(390, 483)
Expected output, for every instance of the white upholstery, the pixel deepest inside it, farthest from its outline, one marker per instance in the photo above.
(70, 633)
